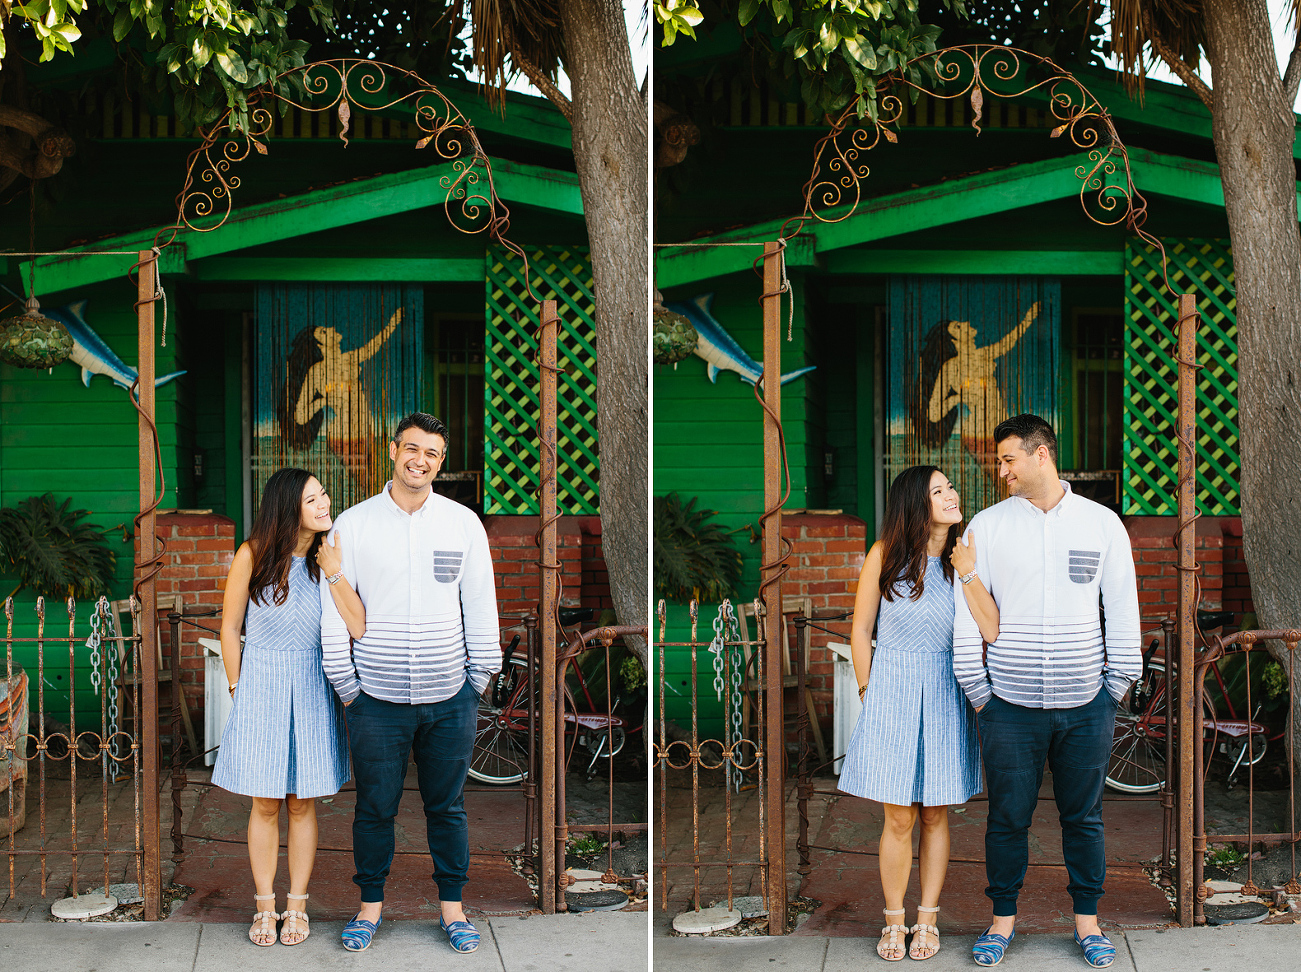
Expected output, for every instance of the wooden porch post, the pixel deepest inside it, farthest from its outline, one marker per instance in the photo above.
(1188, 708)
(552, 855)
(147, 716)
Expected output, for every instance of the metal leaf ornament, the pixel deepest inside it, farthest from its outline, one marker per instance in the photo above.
(32, 340)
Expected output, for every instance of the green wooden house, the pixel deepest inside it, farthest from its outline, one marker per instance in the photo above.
(969, 250)
(320, 236)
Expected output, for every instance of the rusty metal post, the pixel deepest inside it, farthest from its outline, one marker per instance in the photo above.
(774, 728)
(552, 762)
(531, 772)
(804, 772)
(1187, 698)
(178, 769)
(1167, 788)
(147, 714)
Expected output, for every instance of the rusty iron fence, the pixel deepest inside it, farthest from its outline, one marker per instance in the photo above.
(741, 755)
(1245, 644)
(102, 760)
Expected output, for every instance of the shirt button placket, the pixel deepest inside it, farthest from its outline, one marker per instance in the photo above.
(413, 597)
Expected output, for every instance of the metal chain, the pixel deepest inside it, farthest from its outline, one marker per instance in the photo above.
(118, 749)
(93, 644)
(716, 647)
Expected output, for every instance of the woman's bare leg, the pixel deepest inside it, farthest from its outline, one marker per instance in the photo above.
(302, 856)
(263, 856)
(933, 854)
(896, 860)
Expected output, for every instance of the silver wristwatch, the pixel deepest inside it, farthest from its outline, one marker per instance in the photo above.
(968, 578)
(338, 576)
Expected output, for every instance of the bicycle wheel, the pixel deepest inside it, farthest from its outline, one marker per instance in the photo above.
(500, 745)
(1137, 762)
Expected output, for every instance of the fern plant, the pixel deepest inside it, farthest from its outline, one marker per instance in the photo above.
(694, 556)
(52, 550)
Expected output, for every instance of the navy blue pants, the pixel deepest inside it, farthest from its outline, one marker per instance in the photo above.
(383, 736)
(1015, 741)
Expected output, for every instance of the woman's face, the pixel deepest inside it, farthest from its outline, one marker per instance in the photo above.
(328, 338)
(944, 500)
(315, 507)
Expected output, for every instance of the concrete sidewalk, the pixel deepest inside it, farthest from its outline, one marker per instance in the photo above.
(1208, 949)
(592, 942)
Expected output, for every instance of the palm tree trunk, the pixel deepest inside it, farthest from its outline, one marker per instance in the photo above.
(610, 153)
(1253, 127)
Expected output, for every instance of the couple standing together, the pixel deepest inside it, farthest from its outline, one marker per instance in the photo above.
(1009, 665)
(380, 642)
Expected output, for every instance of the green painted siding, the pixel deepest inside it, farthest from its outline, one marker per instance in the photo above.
(709, 444)
(81, 443)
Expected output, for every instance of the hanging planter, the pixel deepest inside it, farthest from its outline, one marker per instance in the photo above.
(32, 340)
(673, 339)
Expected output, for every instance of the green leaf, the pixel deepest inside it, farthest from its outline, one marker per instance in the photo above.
(828, 37)
(231, 63)
(68, 33)
(747, 12)
(122, 24)
(861, 51)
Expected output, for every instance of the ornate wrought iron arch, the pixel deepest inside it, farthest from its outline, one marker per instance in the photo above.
(1107, 193)
(341, 85)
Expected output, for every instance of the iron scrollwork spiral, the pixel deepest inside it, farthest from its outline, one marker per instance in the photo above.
(339, 87)
(1107, 191)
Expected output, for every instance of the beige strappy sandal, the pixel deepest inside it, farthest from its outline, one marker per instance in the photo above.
(295, 922)
(264, 923)
(926, 938)
(892, 947)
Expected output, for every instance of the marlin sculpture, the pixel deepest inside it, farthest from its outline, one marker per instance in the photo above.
(91, 353)
(718, 348)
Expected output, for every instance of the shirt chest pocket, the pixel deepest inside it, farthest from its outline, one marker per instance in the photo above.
(1082, 565)
(447, 565)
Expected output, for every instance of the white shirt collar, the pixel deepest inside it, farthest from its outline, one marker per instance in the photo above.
(1057, 510)
(388, 498)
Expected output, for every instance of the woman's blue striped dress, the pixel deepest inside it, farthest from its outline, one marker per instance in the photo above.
(915, 740)
(286, 732)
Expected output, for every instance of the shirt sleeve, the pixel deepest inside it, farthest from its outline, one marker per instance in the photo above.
(336, 645)
(479, 610)
(968, 645)
(1123, 636)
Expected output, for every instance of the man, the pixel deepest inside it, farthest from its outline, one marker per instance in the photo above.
(1047, 687)
(411, 684)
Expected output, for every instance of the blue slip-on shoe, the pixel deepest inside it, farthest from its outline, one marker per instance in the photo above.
(357, 934)
(463, 936)
(990, 948)
(1098, 950)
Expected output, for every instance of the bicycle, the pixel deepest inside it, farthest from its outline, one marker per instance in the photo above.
(501, 741)
(1138, 762)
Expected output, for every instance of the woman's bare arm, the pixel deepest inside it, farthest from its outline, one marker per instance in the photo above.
(979, 600)
(371, 347)
(330, 558)
(234, 605)
(866, 604)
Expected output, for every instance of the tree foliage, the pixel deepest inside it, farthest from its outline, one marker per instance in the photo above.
(694, 556)
(208, 54)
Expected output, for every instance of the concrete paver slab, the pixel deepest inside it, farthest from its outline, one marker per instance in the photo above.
(45, 946)
(400, 946)
(732, 954)
(1218, 948)
(610, 941)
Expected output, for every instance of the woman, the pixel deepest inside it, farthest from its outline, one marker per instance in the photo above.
(285, 739)
(914, 748)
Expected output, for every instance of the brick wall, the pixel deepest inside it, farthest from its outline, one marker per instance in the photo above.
(1223, 580)
(515, 562)
(198, 549)
(826, 557)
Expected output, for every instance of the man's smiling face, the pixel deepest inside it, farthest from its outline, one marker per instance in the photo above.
(417, 456)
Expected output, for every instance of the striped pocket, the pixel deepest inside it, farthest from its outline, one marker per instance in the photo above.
(447, 565)
(1082, 565)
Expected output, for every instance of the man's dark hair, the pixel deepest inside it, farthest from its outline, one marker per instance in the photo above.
(1031, 430)
(425, 423)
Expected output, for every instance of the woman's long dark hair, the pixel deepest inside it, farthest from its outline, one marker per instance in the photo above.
(275, 535)
(906, 533)
(304, 352)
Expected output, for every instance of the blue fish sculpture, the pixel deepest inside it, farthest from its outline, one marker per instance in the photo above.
(718, 348)
(92, 354)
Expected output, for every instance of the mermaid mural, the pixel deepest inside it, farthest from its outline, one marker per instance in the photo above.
(992, 353)
(336, 365)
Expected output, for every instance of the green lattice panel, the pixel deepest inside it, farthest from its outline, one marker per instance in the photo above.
(1204, 267)
(510, 449)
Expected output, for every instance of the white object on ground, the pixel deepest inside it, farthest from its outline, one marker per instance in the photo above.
(83, 906)
(706, 920)
(217, 700)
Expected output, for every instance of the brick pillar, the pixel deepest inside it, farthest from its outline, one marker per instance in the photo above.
(197, 551)
(1217, 556)
(515, 556)
(827, 555)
